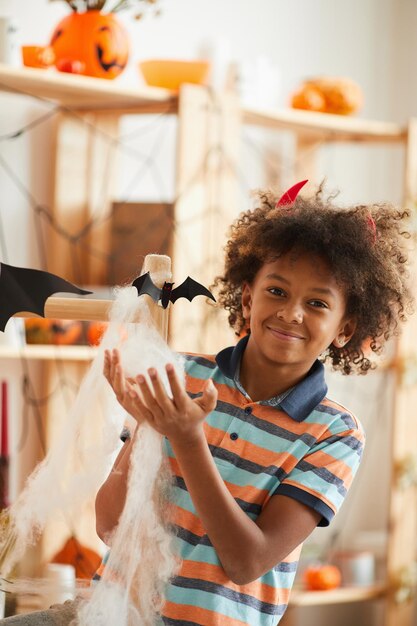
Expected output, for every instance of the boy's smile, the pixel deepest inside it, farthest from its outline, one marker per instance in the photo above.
(295, 309)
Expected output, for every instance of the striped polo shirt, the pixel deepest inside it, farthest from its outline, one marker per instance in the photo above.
(300, 444)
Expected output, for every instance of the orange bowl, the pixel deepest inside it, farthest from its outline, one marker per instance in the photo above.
(38, 56)
(170, 74)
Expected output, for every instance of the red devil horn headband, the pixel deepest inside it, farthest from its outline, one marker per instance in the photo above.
(291, 194)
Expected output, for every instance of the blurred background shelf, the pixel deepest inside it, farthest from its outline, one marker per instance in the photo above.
(82, 92)
(85, 93)
(49, 352)
(337, 596)
(327, 126)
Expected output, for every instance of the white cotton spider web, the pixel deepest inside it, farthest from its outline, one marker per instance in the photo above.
(141, 562)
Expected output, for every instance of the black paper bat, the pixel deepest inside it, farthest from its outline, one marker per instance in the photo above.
(188, 289)
(23, 289)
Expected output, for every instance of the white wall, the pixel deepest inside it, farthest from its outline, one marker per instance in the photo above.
(372, 41)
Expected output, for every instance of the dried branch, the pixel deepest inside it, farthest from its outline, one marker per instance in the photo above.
(71, 3)
(116, 7)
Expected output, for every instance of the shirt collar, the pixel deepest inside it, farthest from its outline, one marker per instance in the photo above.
(300, 401)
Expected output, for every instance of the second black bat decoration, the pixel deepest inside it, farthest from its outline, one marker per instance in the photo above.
(188, 289)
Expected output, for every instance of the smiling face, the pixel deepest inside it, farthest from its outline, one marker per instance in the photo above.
(295, 310)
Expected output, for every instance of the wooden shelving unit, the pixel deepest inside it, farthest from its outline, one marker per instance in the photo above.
(205, 123)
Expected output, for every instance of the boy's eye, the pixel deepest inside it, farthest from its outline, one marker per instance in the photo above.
(276, 291)
(319, 304)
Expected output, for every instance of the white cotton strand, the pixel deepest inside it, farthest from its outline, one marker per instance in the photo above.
(131, 591)
(73, 469)
(141, 560)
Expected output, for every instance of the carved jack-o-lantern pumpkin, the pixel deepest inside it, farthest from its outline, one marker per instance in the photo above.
(98, 41)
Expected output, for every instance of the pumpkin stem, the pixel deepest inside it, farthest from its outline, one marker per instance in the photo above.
(95, 5)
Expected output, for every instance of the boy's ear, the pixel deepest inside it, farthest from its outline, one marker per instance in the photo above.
(345, 334)
(246, 300)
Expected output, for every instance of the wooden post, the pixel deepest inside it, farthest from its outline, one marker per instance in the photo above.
(83, 190)
(159, 267)
(402, 530)
(305, 165)
(101, 181)
(206, 204)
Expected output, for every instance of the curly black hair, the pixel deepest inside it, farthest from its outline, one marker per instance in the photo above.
(364, 246)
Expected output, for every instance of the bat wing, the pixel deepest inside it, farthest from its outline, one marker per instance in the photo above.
(24, 289)
(144, 284)
(190, 289)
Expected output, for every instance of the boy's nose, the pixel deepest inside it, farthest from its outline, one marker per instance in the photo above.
(291, 314)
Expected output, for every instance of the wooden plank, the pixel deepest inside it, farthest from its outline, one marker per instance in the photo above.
(326, 127)
(74, 309)
(101, 181)
(300, 599)
(82, 92)
(137, 229)
(306, 155)
(402, 530)
(69, 198)
(206, 204)
(337, 596)
(84, 186)
(48, 353)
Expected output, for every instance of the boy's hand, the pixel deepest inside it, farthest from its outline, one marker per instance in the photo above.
(179, 418)
(113, 372)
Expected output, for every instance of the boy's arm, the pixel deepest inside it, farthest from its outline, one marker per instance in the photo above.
(111, 496)
(246, 549)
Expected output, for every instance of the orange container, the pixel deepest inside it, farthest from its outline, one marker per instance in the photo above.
(38, 56)
(170, 74)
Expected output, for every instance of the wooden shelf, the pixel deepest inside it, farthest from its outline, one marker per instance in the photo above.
(96, 94)
(49, 352)
(83, 92)
(327, 127)
(337, 596)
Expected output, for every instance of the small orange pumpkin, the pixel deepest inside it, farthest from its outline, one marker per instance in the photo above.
(95, 332)
(66, 332)
(38, 330)
(341, 96)
(84, 560)
(98, 41)
(308, 98)
(322, 577)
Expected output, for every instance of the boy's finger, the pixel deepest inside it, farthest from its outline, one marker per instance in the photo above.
(208, 400)
(119, 382)
(178, 392)
(148, 397)
(159, 390)
(106, 364)
(140, 406)
(114, 360)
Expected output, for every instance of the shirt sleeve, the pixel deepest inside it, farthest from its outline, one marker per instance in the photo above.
(321, 479)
